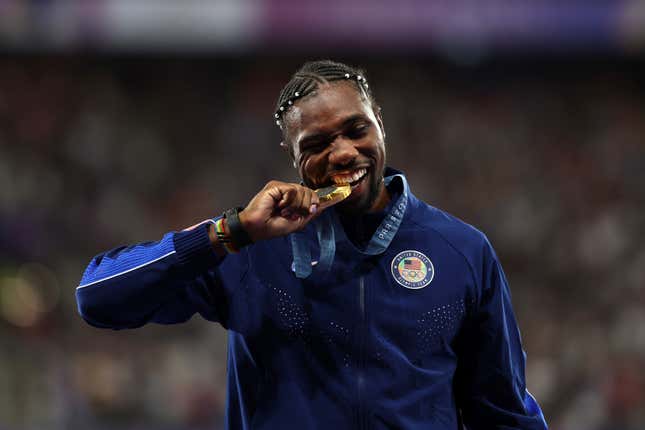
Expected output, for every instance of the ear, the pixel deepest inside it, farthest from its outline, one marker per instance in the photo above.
(287, 147)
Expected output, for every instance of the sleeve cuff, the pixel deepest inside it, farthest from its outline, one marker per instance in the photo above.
(194, 249)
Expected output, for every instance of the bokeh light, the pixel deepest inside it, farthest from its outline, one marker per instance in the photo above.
(29, 295)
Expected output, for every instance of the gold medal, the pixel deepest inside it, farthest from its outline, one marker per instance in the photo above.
(331, 195)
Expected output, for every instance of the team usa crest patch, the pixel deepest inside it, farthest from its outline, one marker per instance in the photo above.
(412, 269)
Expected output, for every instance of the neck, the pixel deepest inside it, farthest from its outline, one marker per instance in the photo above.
(382, 199)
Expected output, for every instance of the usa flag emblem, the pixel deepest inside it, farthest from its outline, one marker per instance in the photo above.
(412, 269)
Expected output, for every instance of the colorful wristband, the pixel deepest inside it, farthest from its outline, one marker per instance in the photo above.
(224, 238)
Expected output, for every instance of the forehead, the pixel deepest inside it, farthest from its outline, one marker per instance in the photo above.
(326, 109)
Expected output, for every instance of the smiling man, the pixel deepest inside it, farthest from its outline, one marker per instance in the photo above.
(380, 312)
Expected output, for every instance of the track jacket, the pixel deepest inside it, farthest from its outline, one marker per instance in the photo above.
(414, 331)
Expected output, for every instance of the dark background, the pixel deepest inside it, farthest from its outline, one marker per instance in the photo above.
(525, 120)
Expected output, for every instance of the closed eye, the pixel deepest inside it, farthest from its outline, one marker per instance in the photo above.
(356, 132)
(354, 128)
(314, 146)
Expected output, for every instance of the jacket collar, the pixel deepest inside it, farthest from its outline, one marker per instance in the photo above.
(329, 229)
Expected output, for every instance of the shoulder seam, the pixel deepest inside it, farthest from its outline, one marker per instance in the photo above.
(470, 267)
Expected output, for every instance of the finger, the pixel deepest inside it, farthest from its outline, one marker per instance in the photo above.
(304, 220)
(311, 202)
(299, 206)
(289, 193)
(314, 203)
(306, 202)
(290, 205)
(288, 224)
(298, 201)
(295, 221)
(275, 190)
(281, 195)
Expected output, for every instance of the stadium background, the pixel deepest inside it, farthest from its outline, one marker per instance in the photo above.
(120, 120)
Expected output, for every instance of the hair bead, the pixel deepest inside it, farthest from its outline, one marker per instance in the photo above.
(313, 74)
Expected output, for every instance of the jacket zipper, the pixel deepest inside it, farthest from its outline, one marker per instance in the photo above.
(361, 359)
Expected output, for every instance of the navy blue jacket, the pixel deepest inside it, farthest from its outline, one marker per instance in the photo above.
(415, 331)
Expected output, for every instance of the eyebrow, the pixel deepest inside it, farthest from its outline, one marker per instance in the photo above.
(321, 136)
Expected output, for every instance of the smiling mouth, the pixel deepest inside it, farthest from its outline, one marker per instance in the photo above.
(353, 178)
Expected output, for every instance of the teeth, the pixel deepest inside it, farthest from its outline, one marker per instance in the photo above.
(347, 178)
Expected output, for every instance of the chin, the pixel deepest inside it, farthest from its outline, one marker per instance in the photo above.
(360, 204)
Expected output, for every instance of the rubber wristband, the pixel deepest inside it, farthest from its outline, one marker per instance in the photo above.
(223, 238)
(239, 237)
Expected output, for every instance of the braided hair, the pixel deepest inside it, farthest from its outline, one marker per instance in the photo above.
(312, 74)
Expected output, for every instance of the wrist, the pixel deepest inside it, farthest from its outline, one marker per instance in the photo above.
(236, 229)
(245, 223)
(223, 237)
(218, 246)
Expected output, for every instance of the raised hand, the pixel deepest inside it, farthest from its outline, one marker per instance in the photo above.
(278, 209)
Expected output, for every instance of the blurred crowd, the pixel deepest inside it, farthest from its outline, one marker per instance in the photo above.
(99, 152)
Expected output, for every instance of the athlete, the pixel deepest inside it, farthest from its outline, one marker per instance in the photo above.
(376, 312)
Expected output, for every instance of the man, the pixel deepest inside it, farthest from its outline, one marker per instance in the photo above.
(380, 312)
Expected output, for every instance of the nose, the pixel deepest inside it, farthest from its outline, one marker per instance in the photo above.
(343, 152)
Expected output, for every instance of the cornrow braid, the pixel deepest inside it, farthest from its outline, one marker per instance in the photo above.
(310, 76)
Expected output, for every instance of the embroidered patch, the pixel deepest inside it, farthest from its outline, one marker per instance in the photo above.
(412, 269)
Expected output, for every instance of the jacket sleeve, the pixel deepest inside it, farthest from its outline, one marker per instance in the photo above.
(164, 282)
(490, 380)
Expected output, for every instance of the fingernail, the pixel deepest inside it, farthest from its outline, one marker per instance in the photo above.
(313, 208)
